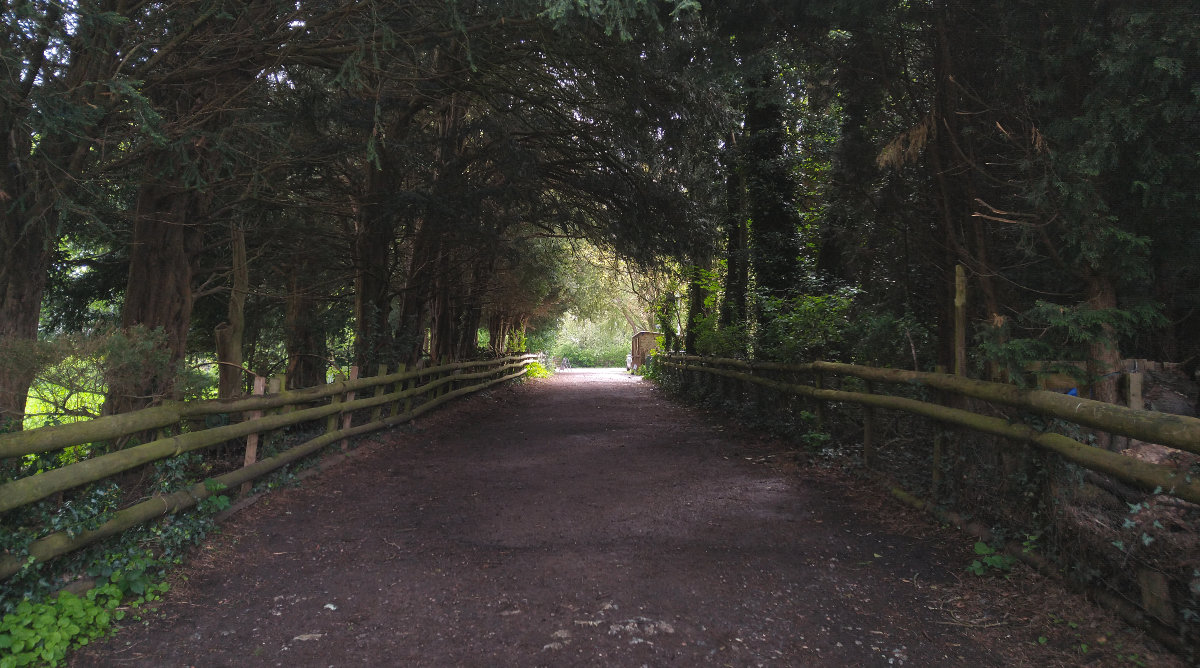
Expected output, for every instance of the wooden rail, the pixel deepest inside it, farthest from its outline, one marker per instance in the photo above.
(1171, 430)
(436, 385)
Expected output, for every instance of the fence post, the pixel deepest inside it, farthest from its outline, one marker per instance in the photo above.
(431, 393)
(331, 422)
(274, 386)
(406, 385)
(347, 417)
(819, 407)
(869, 430)
(377, 412)
(260, 386)
(960, 320)
(937, 480)
(1134, 389)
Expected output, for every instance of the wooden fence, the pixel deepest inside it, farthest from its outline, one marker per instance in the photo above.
(1176, 431)
(1140, 593)
(404, 395)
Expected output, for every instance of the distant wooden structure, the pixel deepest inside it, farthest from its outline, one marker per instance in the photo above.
(643, 343)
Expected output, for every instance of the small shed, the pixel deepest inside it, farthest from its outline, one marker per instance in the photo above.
(643, 343)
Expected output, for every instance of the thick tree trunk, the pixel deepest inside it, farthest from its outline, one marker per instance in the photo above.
(179, 184)
(166, 241)
(304, 336)
(37, 171)
(26, 260)
(441, 311)
(697, 295)
(414, 321)
(373, 343)
(1104, 354)
(499, 328)
(737, 265)
(470, 306)
(229, 334)
(952, 210)
(417, 294)
(774, 242)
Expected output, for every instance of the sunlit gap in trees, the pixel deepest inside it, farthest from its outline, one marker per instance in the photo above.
(603, 300)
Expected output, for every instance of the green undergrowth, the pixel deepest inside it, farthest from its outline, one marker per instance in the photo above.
(990, 561)
(42, 621)
(42, 633)
(537, 370)
(45, 612)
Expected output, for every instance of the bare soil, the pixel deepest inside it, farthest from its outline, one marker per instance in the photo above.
(586, 520)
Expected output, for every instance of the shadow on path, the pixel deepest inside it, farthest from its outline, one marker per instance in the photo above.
(580, 520)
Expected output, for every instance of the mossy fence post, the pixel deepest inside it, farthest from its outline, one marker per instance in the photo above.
(410, 385)
(818, 382)
(381, 389)
(331, 422)
(260, 388)
(348, 416)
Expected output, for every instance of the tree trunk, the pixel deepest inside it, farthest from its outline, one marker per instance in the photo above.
(737, 279)
(441, 323)
(38, 171)
(697, 295)
(179, 184)
(304, 335)
(952, 210)
(26, 260)
(373, 343)
(774, 247)
(166, 241)
(1104, 354)
(229, 334)
(470, 307)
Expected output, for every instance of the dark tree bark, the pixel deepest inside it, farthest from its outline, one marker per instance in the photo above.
(229, 334)
(770, 200)
(36, 176)
(1104, 354)
(167, 239)
(23, 270)
(219, 58)
(737, 265)
(417, 293)
(375, 234)
(697, 295)
(304, 332)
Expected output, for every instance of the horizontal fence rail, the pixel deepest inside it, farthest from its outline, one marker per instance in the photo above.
(1177, 431)
(1009, 481)
(433, 385)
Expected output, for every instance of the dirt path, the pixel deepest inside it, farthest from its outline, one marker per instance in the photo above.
(578, 521)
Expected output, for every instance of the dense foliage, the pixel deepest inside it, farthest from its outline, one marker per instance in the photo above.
(290, 186)
(196, 192)
(1050, 151)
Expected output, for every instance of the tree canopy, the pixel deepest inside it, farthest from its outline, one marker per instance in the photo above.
(275, 187)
